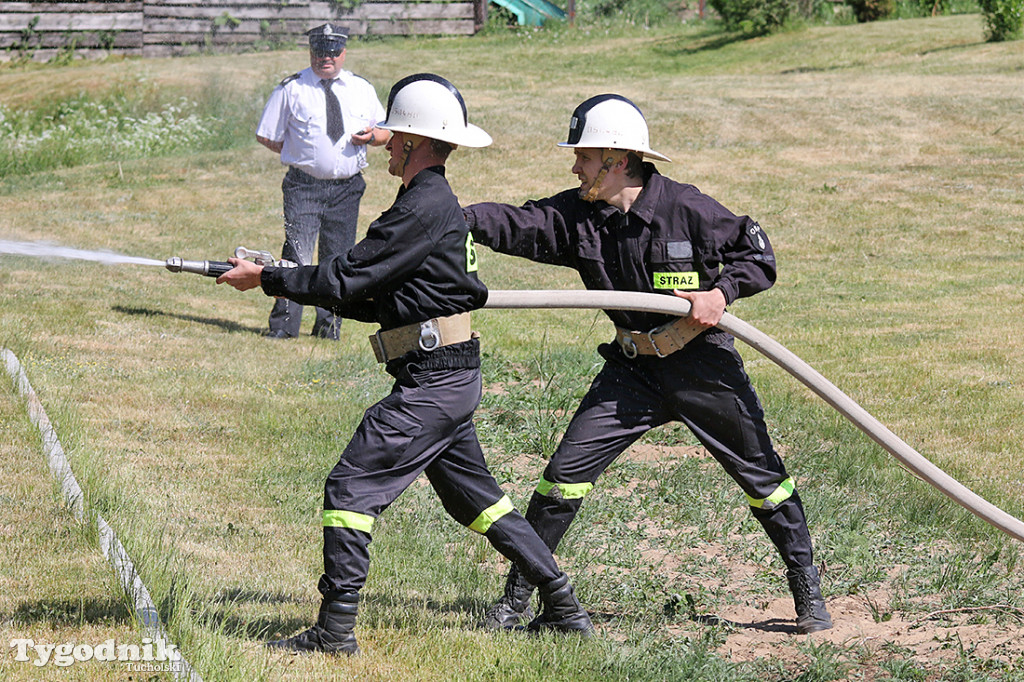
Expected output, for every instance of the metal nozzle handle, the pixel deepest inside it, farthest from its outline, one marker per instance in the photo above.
(209, 268)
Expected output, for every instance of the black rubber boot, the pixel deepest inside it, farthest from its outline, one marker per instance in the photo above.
(513, 609)
(811, 614)
(561, 610)
(332, 634)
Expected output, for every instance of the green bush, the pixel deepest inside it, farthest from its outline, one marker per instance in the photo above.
(1003, 19)
(753, 17)
(870, 10)
(80, 130)
(645, 11)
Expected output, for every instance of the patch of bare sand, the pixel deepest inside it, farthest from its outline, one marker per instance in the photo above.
(927, 640)
(646, 452)
(761, 629)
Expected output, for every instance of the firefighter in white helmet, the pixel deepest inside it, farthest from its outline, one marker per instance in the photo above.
(415, 274)
(629, 228)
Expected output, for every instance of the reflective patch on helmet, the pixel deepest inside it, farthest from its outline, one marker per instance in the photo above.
(471, 262)
(676, 280)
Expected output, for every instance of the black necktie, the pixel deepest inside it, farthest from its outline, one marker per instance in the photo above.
(335, 126)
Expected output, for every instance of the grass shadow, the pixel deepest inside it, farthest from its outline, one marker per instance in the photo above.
(70, 612)
(239, 594)
(227, 613)
(769, 625)
(707, 41)
(226, 325)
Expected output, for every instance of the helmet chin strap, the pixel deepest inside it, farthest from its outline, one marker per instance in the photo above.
(411, 142)
(611, 157)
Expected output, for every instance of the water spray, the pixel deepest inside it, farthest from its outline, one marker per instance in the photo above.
(209, 268)
(216, 268)
(47, 250)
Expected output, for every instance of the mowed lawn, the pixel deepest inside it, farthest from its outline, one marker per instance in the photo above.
(885, 162)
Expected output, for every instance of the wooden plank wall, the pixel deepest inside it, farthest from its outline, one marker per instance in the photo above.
(159, 28)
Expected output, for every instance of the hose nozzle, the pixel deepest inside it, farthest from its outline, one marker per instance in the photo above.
(209, 268)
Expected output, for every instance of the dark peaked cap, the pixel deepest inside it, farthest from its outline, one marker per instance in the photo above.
(328, 35)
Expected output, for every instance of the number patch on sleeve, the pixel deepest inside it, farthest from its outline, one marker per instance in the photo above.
(471, 263)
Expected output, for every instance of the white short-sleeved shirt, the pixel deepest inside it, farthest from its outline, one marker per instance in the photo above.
(296, 114)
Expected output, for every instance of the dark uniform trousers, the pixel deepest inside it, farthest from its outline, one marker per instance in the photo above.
(702, 385)
(316, 212)
(424, 425)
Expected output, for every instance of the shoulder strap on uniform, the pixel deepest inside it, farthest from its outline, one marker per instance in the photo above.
(289, 79)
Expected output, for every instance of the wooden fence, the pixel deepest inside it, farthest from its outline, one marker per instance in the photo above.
(159, 28)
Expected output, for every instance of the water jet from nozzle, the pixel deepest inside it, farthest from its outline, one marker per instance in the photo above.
(48, 250)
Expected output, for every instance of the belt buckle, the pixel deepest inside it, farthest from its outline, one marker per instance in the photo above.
(628, 345)
(430, 335)
(654, 344)
(378, 347)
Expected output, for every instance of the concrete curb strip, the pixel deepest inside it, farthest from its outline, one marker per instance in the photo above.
(113, 550)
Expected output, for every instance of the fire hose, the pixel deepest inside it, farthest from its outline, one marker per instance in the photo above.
(777, 353)
(758, 340)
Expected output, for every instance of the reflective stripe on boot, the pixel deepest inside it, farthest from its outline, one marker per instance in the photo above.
(332, 634)
(811, 614)
(561, 610)
(514, 606)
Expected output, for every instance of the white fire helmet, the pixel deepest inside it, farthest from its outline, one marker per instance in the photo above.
(610, 122)
(427, 105)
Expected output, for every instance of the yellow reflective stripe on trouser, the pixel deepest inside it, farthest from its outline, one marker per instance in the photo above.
(569, 491)
(488, 516)
(781, 494)
(336, 518)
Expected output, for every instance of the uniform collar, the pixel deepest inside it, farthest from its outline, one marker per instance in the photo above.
(342, 76)
(425, 175)
(646, 204)
(647, 201)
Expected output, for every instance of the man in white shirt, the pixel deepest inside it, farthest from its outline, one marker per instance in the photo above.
(320, 121)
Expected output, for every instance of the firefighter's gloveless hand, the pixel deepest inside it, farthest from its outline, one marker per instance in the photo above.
(706, 307)
(244, 276)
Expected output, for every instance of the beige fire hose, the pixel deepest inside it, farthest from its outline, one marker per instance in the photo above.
(777, 353)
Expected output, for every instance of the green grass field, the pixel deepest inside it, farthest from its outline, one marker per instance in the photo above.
(885, 161)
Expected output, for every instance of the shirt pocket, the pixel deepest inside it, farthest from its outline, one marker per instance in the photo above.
(673, 265)
(589, 249)
(306, 121)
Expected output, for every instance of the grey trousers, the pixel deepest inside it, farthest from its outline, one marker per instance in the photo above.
(324, 209)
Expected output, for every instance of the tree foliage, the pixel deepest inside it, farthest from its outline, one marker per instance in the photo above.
(1003, 19)
(754, 17)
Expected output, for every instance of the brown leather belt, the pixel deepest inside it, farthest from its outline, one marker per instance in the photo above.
(427, 335)
(661, 341)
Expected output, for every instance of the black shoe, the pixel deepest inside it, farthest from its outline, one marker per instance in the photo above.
(513, 609)
(811, 614)
(560, 610)
(277, 334)
(332, 634)
(329, 333)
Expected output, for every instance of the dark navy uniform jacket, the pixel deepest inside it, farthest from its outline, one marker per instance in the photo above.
(416, 262)
(672, 237)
